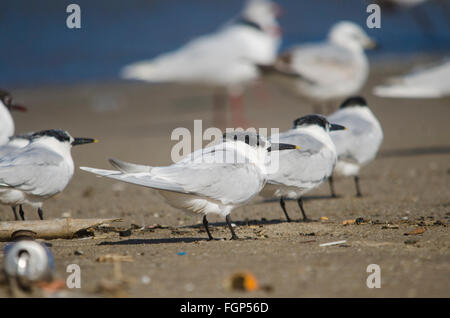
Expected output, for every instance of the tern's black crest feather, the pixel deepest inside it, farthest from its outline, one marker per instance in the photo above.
(314, 119)
(59, 134)
(249, 137)
(354, 101)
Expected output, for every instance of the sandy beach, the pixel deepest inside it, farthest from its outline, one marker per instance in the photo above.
(407, 187)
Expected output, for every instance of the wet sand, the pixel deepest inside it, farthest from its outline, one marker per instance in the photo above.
(408, 186)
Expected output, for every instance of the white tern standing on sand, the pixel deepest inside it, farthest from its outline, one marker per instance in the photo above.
(39, 170)
(359, 144)
(306, 168)
(214, 180)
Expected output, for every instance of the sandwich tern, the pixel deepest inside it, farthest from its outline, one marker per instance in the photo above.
(213, 180)
(358, 145)
(6, 120)
(325, 71)
(225, 60)
(306, 168)
(39, 170)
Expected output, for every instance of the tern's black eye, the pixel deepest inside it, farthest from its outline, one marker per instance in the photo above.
(247, 139)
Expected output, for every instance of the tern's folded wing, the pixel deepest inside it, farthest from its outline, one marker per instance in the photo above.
(306, 167)
(141, 178)
(35, 171)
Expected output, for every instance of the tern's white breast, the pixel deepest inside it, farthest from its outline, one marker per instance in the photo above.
(6, 124)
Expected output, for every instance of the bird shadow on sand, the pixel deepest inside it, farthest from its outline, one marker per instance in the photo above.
(155, 241)
(244, 223)
(305, 198)
(418, 151)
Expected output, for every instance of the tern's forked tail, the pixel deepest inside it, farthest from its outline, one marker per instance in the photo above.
(128, 167)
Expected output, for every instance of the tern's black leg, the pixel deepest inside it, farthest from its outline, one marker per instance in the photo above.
(283, 206)
(300, 204)
(22, 214)
(233, 235)
(15, 213)
(41, 214)
(330, 182)
(205, 224)
(358, 191)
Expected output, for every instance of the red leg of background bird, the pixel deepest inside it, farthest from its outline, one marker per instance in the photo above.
(219, 109)
(237, 111)
(262, 93)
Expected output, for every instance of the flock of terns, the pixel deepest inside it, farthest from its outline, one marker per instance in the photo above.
(37, 165)
(212, 180)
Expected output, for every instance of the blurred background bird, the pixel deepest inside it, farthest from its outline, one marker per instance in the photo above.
(325, 71)
(226, 60)
(7, 126)
(431, 81)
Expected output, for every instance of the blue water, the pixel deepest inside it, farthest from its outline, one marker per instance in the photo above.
(37, 48)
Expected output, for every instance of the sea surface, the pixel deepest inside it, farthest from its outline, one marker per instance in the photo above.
(37, 48)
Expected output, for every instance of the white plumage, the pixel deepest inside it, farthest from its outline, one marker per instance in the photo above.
(6, 124)
(6, 120)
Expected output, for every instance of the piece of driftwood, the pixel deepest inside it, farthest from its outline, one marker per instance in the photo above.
(66, 228)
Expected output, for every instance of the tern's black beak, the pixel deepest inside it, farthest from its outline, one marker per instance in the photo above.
(336, 127)
(275, 147)
(80, 141)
